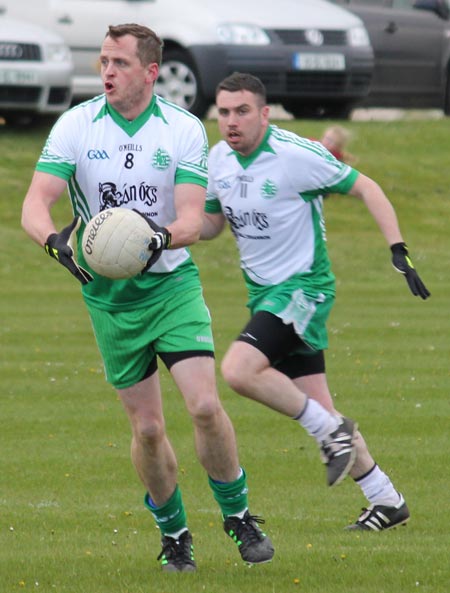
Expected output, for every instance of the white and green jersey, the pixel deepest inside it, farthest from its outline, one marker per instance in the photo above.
(108, 161)
(273, 202)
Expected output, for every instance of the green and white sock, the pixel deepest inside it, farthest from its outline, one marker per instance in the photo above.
(171, 516)
(231, 496)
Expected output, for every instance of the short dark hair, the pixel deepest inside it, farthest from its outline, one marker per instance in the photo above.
(242, 81)
(149, 45)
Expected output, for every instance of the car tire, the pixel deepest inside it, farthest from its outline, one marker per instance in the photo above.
(22, 119)
(338, 111)
(179, 82)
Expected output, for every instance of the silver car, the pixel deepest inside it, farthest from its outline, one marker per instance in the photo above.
(35, 72)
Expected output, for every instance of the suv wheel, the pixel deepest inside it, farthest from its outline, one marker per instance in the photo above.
(179, 83)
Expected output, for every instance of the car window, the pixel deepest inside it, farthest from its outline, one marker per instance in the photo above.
(379, 3)
(402, 3)
(376, 3)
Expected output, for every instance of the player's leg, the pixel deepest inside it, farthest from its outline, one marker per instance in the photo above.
(188, 352)
(316, 386)
(387, 506)
(216, 448)
(248, 367)
(132, 369)
(151, 451)
(156, 465)
(214, 434)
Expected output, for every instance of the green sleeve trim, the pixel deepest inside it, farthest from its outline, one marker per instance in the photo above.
(188, 177)
(346, 184)
(213, 207)
(62, 170)
(342, 187)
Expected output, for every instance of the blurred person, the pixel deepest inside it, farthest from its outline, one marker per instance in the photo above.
(268, 184)
(335, 139)
(129, 148)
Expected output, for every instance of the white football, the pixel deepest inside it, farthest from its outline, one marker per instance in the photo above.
(115, 243)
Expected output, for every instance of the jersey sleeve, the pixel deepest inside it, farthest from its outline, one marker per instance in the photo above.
(212, 204)
(314, 171)
(192, 165)
(58, 157)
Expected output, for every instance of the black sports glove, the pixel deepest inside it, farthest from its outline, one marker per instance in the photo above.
(403, 264)
(60, 247)
(159, 241)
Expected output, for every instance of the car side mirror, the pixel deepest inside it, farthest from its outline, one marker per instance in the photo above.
(439, 7)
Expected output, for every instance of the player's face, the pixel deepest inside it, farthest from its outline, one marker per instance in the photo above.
(243, 120)
(128, 84)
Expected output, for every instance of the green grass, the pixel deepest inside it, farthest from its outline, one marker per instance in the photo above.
(71, 512)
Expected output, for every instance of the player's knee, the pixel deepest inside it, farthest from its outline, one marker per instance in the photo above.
(149, 430)
(235, 376)
(204, 410)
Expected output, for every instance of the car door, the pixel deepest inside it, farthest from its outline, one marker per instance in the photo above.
(408, 45)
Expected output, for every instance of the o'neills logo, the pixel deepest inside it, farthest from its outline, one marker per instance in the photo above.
(94, 226)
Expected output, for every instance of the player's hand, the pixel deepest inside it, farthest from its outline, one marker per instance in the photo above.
(60, 247)
(160, 241)
(403, 264)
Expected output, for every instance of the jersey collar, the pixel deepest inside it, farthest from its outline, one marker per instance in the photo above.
(131, 127)
(246, 161)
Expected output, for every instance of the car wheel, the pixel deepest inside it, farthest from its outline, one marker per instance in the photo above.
(18, 119)
(179, 83)
(338, 111)
(21, 119)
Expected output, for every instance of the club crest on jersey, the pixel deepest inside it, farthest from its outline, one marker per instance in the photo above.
(269, 189)
(161, 160)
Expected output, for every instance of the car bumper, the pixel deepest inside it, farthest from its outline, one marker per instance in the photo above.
(35, 88)
(275, 66)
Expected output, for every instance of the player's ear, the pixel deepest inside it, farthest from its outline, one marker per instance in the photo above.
(152, 72)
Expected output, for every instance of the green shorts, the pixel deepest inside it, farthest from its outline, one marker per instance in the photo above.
(307, 310)
(129, 340)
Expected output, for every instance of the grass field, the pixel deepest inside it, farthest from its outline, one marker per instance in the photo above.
(71, 512)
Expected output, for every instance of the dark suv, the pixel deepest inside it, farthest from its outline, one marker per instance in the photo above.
(411, 41)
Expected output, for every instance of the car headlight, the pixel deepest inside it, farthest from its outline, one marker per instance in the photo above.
(57, 52)
(358, 37)
(242, 34)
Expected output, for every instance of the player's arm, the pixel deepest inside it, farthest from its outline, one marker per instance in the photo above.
(213, 225)
(379, 207)
(44, 191)
(384, 215)
(189, 205)
(189, 199)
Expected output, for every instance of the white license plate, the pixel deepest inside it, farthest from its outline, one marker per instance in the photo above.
(319, 61)
(19, 77)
